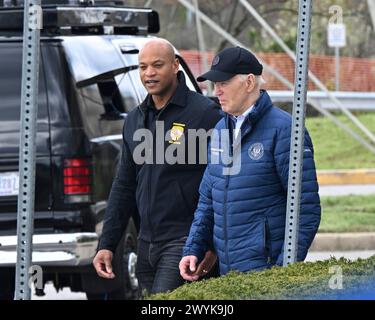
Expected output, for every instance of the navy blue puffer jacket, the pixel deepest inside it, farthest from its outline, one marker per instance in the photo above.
(242, 206)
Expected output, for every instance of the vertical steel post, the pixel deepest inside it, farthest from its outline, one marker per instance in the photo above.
(29, 103)
(337, 67)
(297, 134)
(371, 8)
(202, 45)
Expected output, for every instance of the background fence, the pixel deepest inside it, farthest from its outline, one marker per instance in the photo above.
(357, 74)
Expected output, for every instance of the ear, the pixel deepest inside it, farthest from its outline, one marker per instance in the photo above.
(250, 82)
(176, 65)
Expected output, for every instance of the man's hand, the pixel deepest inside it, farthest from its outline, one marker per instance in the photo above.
(206, 264)
(187, 267)
(103, 264)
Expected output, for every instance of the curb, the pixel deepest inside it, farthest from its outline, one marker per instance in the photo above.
(343, 241)
(338, 177)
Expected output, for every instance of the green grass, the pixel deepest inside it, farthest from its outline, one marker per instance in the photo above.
(348, 214)
(296, 281)
(334, 148)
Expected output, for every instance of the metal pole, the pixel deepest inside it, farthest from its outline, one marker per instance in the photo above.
(298, 132)
(148, 4)
(371, 8)
(202, 45)
(337, 67)
(29, 103)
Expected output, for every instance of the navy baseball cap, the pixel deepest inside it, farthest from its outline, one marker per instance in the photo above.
(230, 62)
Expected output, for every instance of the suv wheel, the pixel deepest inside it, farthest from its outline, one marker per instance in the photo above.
(128, 260)
(124, 263)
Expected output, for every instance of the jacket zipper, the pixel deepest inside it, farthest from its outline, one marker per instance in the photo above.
(267, 241)
(225, 221)
(225, 203)
(148, 214)
(150, 178)
(148, 207)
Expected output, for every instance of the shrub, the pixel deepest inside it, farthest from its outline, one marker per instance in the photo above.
(302, 280)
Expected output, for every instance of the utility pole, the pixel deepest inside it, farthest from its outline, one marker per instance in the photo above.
(29, 107)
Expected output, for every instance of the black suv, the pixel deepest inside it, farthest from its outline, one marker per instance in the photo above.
(88, 81)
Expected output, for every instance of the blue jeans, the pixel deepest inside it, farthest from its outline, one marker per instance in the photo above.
(157, 265)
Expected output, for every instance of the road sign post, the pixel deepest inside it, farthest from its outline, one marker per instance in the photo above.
(297, 134)
(29, 103)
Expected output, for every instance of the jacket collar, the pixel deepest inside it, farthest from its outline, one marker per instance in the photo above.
(178, 98)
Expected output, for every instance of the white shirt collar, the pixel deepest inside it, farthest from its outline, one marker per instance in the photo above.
(244, 115)
(239, 120)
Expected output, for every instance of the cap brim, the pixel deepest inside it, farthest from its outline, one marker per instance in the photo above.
(215, 75)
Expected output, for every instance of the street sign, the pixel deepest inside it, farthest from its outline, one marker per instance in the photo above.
(336, 35)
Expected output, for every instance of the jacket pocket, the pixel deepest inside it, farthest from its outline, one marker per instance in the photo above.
(267, 241)
(258, 240)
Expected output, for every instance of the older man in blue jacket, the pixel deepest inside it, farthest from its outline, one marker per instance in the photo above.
(241, 211)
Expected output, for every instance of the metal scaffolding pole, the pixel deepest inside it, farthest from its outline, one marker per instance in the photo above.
(29, 103)
(371, 8)
(215, 27)
(313, 78)
(297, 134)
(148, 4)
(201, 44)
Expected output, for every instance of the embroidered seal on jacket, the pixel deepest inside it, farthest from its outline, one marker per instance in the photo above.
(256, 151)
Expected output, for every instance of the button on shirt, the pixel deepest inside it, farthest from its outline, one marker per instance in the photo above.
(239, 120)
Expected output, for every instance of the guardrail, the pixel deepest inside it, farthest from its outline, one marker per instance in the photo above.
(356, 101)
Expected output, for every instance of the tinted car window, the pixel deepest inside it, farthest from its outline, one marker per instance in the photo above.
(129, 96)
(10, 98)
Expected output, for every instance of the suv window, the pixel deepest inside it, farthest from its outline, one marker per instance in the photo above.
(11, 75)
(126, 85)
(10, 95)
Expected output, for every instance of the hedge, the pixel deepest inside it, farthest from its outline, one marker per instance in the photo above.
(302, 280)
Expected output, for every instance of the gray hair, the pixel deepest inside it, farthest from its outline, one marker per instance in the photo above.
(259, 80)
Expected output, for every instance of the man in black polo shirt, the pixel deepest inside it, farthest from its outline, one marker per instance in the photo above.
(164, 193)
